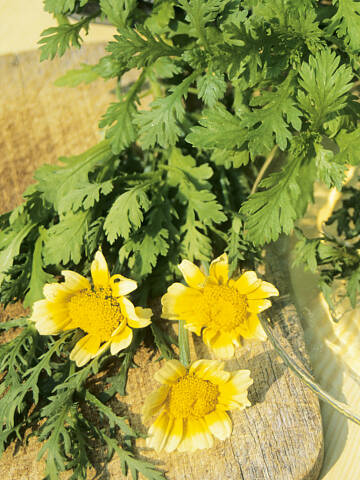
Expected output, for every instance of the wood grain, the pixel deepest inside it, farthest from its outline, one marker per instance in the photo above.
(280, 436)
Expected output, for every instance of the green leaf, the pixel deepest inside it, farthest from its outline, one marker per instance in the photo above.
(329, 170)
(267, 124)
(195, 243)
(117, 11)
(353, 287)
(139, 48)
(234, 248)
(64, 241)
(56, 40)
(56, 182)
(346, 22)
(38, 276)
(164, 67)
(147, 244)
(123, 132)
(127, 213)
(11, 239)
(349, 145)
(162, 124)
(108, 415)
(135, 465)
(211, 88)
(325, 86)
(230, 136)
(85, 196)
(273, 210)
(230, 158)
(161, 15)
(200, 13)
(73, 78)
(62, 6)
(202, 211)
(306, 252)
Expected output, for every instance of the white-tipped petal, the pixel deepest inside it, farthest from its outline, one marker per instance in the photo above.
(219, 424)
(121, 285)
(85, 349)
(219, 269)
(170, 372)
(192, 274)
(121, 341)
(99, 271)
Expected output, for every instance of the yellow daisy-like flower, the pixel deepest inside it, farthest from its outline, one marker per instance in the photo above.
(192, 405)
(222, 309)
(100, 310)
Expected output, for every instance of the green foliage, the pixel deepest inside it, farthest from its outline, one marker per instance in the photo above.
(336, 257)
(38, 372)
(56, 40)
(73, 78)
(127, 213)
(57, 183)
(251, 103)
(62, 6)
(325, 86)
(161, 124)
(346, 23)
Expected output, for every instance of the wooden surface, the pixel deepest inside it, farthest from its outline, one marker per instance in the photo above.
(280, 436)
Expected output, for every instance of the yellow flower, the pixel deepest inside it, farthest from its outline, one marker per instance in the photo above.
(192, 404)
(222, 309)
(100, 310)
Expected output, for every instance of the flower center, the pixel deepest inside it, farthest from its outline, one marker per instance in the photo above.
(225, 307)
(95, 311)
(192, 396)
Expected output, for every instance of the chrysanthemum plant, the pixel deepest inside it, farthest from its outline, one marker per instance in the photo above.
(253, 101)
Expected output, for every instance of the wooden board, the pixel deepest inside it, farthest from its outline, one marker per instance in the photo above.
(280, 436)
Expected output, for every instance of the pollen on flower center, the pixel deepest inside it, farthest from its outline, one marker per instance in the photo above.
(192, 396)
(225, 307)
(95, 311)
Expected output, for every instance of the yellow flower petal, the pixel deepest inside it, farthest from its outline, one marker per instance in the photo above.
(197, 436)
(49, 318)
(219, 424)
(259, 333)
(221, 343)
(258, 306)
(143, 317)
(265, 290)
(192, 274)
(85, 349)
(154, 402)
(175, 435)
(211, 370)
(159, 431)
(170, 372)
(233, 394)
(99, 271)
(121, 341)
(247, 283)
(219, 269)
(74, 281)
(56, 292)
(249, 328)
(165, 433)
(194, 328)
(179, 303)
(136, 317)
(121, 285)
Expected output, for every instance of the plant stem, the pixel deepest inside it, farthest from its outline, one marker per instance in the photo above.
(263, 169)
(184, 344)
(306, 377)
